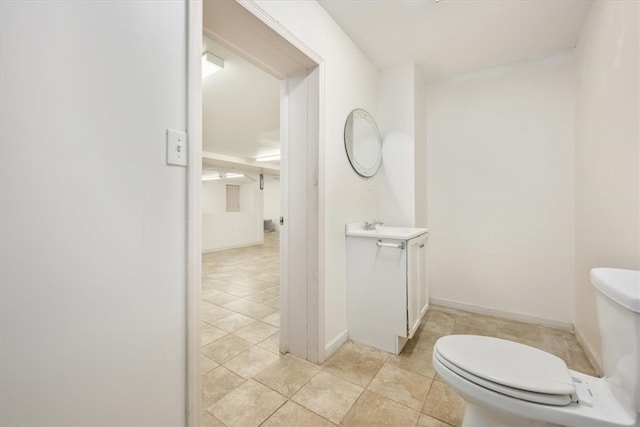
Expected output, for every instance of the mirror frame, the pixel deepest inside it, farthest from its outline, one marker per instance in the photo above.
(361, 170)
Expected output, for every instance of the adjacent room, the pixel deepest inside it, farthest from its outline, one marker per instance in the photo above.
(240, 199)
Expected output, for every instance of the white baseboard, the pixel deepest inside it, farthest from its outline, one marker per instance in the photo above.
(504, 314)
(591, 355)
(224, 248)
(333, 345)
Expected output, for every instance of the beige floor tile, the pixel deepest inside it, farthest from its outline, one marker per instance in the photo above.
(365, 350)
(457, 313)
(371, 409)
(426, 339)
(222, 285)
(223, 279)
(233, 322)
(206, 364)
(219, 298)
(212, 282)
(475, 324)
(225, 348)
(269, 277)
(427, 421)
(511, 329)
(209, 333)
(555, 345)
(293, 415)
(211, 313)
(259, 296)
(556, 332)
(353, 366)
(240, 291)
(578, 361)
(208, 420)
(206, 292)
(401, 385)
(248, 405)
(250, 362)
(254, 283)
(272, 319)
(274, 289)
(274, 302)
(328, 396)
(256, 332)
(439, 321)
(252, 309)
(444, 404)
(415, 357)
(216, 384)
(271, 344)
(520, 340)
(287, 375)
(243, 271)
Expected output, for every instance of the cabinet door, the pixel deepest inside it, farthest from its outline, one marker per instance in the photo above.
(423, 284)
(413, 286)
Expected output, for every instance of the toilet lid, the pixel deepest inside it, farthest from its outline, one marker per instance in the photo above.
(508, 365)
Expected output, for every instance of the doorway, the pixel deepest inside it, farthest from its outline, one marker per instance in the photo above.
(236, 27)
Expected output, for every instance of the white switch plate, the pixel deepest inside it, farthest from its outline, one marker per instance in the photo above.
(176, 148)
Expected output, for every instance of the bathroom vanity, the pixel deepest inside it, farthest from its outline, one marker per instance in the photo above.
(387, 290)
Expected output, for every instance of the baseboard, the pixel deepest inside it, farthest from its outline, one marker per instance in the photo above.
(224, 248)
(333, 345)
(591, 355)
(500, 313)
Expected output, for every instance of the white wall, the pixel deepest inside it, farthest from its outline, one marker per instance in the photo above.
(500, 146)
(225, 230)
(402, 124)
(271, 197)
(350, 81)
(607, 150)
(92, 220)
(396, 122)
(420, 150)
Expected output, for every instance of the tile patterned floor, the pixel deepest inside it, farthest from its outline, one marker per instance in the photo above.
(246, 382)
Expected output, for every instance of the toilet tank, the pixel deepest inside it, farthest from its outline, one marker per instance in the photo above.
(618, 305)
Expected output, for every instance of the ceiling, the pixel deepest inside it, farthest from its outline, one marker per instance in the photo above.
(447, 38)
(241, 104)
(240, 108)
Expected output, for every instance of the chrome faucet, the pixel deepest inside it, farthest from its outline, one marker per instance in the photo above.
(371, 225)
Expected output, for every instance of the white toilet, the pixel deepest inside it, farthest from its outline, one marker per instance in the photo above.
(509, 384)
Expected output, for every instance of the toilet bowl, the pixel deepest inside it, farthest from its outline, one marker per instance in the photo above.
(510, 384)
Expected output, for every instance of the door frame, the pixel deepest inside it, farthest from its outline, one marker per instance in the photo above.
(311, 207)
(194, 215)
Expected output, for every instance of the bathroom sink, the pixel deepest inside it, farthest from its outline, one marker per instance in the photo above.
(384, 232)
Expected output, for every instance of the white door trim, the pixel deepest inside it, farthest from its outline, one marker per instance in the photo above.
(315, 297)
(299, 200)
(315, 290)
(194, 215)
(269, 21)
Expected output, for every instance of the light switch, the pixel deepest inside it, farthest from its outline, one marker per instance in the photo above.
(176, 148)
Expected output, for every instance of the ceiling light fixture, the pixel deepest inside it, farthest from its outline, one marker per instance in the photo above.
(271, 158)
(211, 64)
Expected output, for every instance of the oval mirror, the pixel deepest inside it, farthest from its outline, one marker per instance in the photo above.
(362, 143)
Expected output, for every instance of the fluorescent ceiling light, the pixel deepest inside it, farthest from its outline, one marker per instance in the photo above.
(214, 176)
(211, 64)
(271, 158)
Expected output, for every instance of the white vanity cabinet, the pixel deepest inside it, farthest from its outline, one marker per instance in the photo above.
(387, 290)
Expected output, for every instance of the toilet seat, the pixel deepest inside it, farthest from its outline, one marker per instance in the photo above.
(507, 367)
